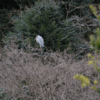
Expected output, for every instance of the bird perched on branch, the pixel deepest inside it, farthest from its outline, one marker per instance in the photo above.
(40, 40)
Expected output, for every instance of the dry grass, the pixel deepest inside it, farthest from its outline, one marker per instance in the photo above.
(32, 76)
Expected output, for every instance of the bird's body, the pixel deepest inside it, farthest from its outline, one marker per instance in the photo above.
(40, 40)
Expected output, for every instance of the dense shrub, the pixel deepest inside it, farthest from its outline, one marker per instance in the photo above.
(46, 20)
(95, 39)
(5, 24)
(75, 7)
(95, 43)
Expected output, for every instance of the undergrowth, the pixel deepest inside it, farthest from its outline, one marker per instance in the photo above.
(95, 43)
(47, 20)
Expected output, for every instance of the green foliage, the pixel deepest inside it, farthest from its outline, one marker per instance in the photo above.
(75, 7)
(94, 10)
(94, 62)
(4, 96)
(4, 23)
(95, 39)
(84, 80)
(95, 42)
(46, 20)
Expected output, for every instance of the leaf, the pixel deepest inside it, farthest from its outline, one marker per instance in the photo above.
(90, 62)
(83, 84)
(94, 87)
(84, 80)
(95, 82)
(89, 55)
(76, 76)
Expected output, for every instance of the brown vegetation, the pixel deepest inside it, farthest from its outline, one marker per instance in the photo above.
(48, 76)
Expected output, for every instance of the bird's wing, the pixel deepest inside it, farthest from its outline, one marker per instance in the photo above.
(40, 41)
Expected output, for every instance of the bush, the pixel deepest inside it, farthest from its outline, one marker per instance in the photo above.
(85, 81)
(5, 24)
(46, 20)
(95, 42)
(95, 39)
(75, 7)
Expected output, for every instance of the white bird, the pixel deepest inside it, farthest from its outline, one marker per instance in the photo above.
(40, 40)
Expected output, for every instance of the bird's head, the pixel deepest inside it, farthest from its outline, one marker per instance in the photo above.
(36, 37)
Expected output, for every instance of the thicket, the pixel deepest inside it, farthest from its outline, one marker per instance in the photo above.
(9, 8)
(58, 25)
(76, 7)
(95, 43)
(5, 24)
(46, 20)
